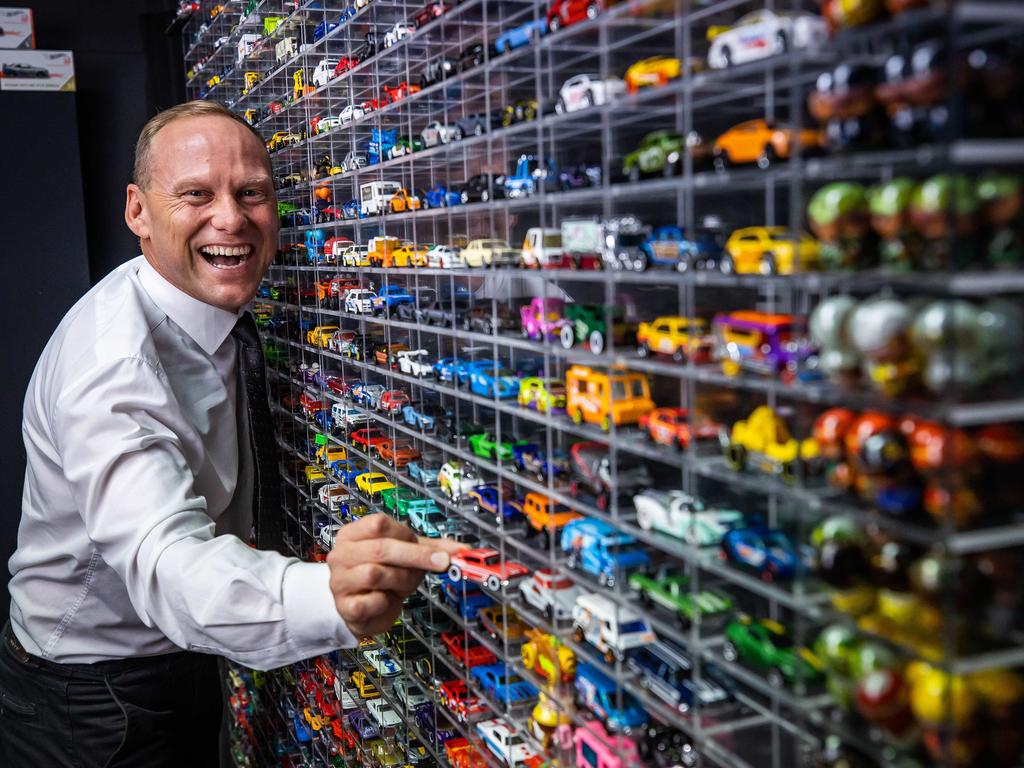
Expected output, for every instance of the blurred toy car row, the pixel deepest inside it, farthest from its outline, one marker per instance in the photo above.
(941, 222)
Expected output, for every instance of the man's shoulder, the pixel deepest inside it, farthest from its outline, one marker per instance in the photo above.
(113, 321)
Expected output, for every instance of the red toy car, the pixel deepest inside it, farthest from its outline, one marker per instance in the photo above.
(467, 651)
(310, 405)
(338, 385)
(430, 12)
(562, 13)
(345, 64)
(669, 426)
(326, 671)
(393, 400)
(455, 696)
(402, 90)
(368, 436)
(371, 104)
(486, 567)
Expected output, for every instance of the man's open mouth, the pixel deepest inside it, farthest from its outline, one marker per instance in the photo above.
(226, 257)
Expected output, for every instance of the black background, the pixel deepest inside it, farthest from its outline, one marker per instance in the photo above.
(64, 162)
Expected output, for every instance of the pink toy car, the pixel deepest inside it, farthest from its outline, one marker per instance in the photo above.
(596, 748)
(486, 567)
(542, 317)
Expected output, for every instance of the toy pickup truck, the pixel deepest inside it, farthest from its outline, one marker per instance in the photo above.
(588, 324)
(617, 243)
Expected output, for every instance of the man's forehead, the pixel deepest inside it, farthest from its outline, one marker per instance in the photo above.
(191, 145)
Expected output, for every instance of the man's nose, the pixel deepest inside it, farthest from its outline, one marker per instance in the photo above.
(228, 214)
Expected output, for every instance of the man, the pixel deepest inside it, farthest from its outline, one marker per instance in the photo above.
(132, 571)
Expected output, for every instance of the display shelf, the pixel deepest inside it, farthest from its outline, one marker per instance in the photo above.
(768, 726)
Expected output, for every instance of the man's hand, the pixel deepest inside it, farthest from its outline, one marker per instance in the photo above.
(375, 564)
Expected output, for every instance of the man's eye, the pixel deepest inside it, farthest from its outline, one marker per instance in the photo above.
(253, 193)
(195, 193)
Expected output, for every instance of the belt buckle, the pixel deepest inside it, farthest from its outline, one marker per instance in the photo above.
(16, 648)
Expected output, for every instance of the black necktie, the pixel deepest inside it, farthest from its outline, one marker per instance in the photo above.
(266, 497)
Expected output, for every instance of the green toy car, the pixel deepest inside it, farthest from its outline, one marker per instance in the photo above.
(393, 498)
(764, 643)
(657, 152)
(673, 593)
(587, 325)
(487, 446)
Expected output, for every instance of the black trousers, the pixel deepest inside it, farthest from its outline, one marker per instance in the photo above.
(156, 712)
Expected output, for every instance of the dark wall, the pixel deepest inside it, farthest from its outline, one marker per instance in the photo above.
(63, 169)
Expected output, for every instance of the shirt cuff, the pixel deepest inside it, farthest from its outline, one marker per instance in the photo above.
(309, 610)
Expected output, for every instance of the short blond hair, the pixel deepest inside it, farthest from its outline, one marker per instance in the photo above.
(196, 108)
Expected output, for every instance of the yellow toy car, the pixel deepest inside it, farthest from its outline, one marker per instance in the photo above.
(372, 483)
(364, 687)
(653, 71)
(543, 395)
(327, 454)
(680, 337)
(769, 251)
(549, 657)
(409, 255)
(314, 474)
(764, 440)
(403, 201)
(316, 722)
(319, 336)
(282, 139)
(617, 397)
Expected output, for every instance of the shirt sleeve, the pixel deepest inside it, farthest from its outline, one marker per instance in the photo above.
(127, 450)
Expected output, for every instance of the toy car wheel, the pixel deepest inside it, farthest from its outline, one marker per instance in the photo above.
(610, 656)
(727, 266)
(493, 583)
(735, 456)
(555, 24)
(721, 162)
(606, 424)
(529, 655)
(679, 355)
(478, 130)
(567, 337)
(727, 55)
(767, 265)
(457, 134)
(592, 10)
(634, 172)
(560, 104)
(729, 652)
(455, 573)
(596, 341)
(577, 634)
(642, 350)
(788, 472)
(781, 43)
(577, 417)
(485, 196)
(640, 263)
(775, 678)
(768, 156)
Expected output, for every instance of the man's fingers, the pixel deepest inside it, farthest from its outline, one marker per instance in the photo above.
(386, 551)
(373, 577)
(376, 526)
(451, 546)
(369, 613)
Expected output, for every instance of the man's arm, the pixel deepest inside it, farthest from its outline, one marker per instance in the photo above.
(126, 449)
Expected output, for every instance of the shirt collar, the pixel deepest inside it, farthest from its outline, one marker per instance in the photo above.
(205, 324)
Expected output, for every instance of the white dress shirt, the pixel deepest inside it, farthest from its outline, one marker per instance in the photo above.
(134, 499)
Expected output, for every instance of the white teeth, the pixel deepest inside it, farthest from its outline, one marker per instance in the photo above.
(223, 250)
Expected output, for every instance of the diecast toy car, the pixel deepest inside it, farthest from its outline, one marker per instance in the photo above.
(499, 682)
(600, 694)
(372, 483)
(496, 503)
(674, 593)
(550, 593)
(682, 516)
(673, 427)
(767, 552)
(485, 566)
(524, 34)
(652, 71)
(612, 629)
(764, 33)
(562, 13)
(762, 142)
(766, 344)
(466, 650)
(601, 549)
(542, 318)
(682, 338)
(549, 657)
(667, 671)
(764, 643)
(583, 91)
(764, 440)
(617, 397)
(508, 743)
(542, 395)
(769, 251)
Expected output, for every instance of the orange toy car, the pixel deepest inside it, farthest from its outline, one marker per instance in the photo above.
(403, 201)
(670, 426)
(616, 397)
(759, 141)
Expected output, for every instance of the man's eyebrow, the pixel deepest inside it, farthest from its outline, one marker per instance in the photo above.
(192, 182)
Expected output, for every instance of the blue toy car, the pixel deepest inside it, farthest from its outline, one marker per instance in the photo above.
(439, 196)
(423, 416)
(598, 693)
(464, 367)
(469, 604)
(444, 369)
(486, 497)
(423, 472)
(323, 29)
(533, 460)
(302, 732)
(380, 141)
(522, 35)
(768, 552)
(669, 247)
(427, 518)
(489, 380)
(390, 296)
(362, 725)
(315, 246)
(351, 209)
(602, 549)
(667, 672)
(345, 470)
(501, 683)
(324, 421)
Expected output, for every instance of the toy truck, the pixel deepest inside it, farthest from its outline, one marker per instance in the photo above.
(380, 248)
(616, 243)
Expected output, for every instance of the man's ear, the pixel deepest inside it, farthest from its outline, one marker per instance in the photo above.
(136, 215)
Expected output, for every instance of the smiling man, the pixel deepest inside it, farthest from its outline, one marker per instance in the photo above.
(150, 463)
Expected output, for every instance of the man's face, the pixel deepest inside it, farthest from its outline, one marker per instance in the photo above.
(207, 220)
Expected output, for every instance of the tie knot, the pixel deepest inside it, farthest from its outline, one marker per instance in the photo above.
(245, 330)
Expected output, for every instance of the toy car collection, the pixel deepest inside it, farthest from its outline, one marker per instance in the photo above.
(699, 326)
